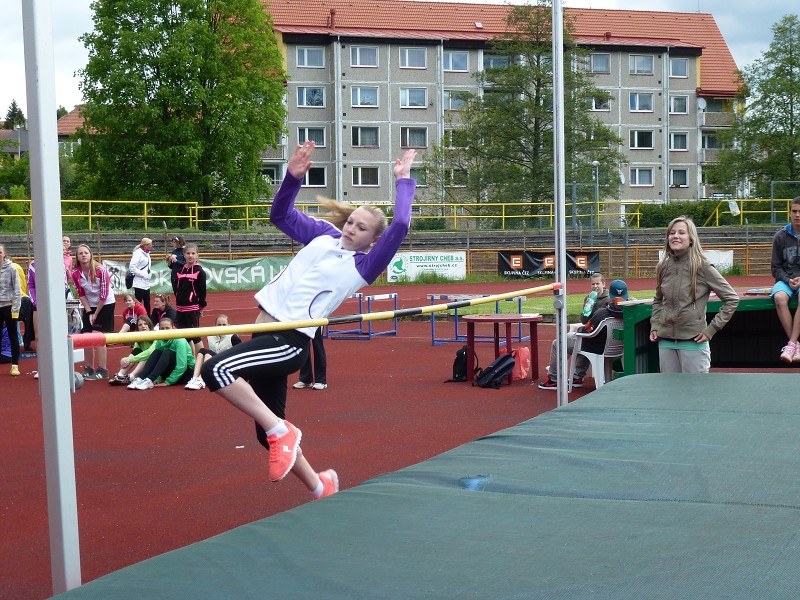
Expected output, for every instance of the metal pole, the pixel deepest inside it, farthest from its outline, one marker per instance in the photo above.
(54, 372)
(596, 165)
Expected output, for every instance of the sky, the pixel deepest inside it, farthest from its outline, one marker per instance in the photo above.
(745, 25)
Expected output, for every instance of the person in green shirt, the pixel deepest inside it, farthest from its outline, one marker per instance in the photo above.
(130, 366)
(170, 363)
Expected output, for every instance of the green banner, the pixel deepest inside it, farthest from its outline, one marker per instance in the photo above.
(221, 275)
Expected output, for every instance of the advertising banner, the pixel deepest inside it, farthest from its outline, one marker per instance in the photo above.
(523, 264)
(410, 265)
(221, 275)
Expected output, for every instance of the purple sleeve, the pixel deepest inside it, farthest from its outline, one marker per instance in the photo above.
(292, 222)
(371, 265)
(32, 283)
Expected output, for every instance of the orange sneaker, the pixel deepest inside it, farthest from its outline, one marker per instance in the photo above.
(330, 483)
(283, 452)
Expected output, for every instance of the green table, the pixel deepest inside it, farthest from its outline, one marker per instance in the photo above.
(752, 339)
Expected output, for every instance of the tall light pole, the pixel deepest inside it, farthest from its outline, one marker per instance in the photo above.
(596, 165)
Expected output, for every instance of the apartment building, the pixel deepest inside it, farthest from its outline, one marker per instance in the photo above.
(367, 79)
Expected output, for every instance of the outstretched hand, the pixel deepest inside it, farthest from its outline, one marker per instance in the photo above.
(402, 166)
(300, 162)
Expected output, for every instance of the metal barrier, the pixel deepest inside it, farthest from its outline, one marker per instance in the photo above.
(462, 337)
(361, 334)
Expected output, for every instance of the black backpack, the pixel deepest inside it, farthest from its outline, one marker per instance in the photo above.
(460, 365)
(496, 373)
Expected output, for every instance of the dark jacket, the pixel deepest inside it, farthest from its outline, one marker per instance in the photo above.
(785, 255)
(191, 292)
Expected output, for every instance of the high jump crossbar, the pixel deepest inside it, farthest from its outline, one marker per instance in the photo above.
(95, 339)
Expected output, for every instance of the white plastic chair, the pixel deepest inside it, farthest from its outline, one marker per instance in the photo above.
(601, 364)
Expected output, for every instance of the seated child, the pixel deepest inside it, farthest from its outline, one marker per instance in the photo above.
(216, 344)
(171, 362)
(133, 310)
(131, 365)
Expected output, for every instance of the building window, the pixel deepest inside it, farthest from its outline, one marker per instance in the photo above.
(365, 136)
(641, 140)
(313, 134)
(679, 67)
(454, 100)
(641, 64)
(600, 63)
(364, 96)
(413, 58)
(419, 175)
(679, 177)
(365, 176)
(495, 61)
(679, 105)
(455, 178)
(641, 177)
(310, 58)
(363, 56)
(710, 141)
(641, 102)
(679, 141)
(413, 98)
(414, 137)
(600, 104)
(271, 174)
(311, 97)
(315, 177)
(456, 60)
(453, 138)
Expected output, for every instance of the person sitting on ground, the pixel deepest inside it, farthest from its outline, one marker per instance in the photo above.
(597, 299)
(786, 271)
(216, 344)
(133, 310)
(130, 366)
(162, 309)
(170, 363)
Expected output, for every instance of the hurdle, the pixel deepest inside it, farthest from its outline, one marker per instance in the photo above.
(328, 332)
(360, 334)
(462, 337)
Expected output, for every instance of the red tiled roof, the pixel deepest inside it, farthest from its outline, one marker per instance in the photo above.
(70, 122)
(450, 20)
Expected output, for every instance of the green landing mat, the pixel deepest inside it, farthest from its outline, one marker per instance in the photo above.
(655, 486)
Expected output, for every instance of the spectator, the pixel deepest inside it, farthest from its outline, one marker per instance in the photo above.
(314, 377)
(684, 281)
(93, 285)
(175, 260)
(597, 299)
(140, 265)
(190, 299)
(216, 344)
(170, 363)
(162, 309)
(10, 301)
(786, 271)
(130, 366)
(133, 311)
(30, 326)
(69, 266)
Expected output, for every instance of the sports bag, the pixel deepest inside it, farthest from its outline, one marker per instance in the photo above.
(129, 279)
(522, 363)
(460, 365)
(496, 373)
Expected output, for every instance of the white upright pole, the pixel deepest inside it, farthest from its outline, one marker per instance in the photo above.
(52, 350)
(559, 189)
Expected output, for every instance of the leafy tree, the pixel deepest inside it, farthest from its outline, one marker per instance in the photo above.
(502, 144)
(181, 98)
(763, 145)
(61, 112)
(14, 116)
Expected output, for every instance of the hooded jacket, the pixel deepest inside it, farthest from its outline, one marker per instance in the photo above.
(676, 315)
(785, 255)
(10, 289)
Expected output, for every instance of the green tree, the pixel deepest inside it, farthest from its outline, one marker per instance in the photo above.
(502, 143)
(61, 112)
(763, 145)
(181, 99)
(14, 117)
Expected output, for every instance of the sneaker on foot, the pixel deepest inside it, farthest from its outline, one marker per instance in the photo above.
(100, 374)
(548, 384)
(145, 384)
(283, 452)
(119, 380)
(14, 371)
(36, 374)
(319, 386)
(788, 352)
(134, 385)
(577, 382)
(796, 357)
(300, 385)
(195, 383)
(88, 372)
(330, 483)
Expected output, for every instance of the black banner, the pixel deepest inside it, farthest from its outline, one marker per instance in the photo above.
(523, 264)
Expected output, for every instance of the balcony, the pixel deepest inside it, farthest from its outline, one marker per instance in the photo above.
(709, 155)
(277, 153)
(717, 119)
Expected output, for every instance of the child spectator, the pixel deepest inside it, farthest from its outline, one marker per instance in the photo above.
(216, 344)
(170, 362)
(131, 365)
(190, 299)
(162, 309)
(133, 311)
